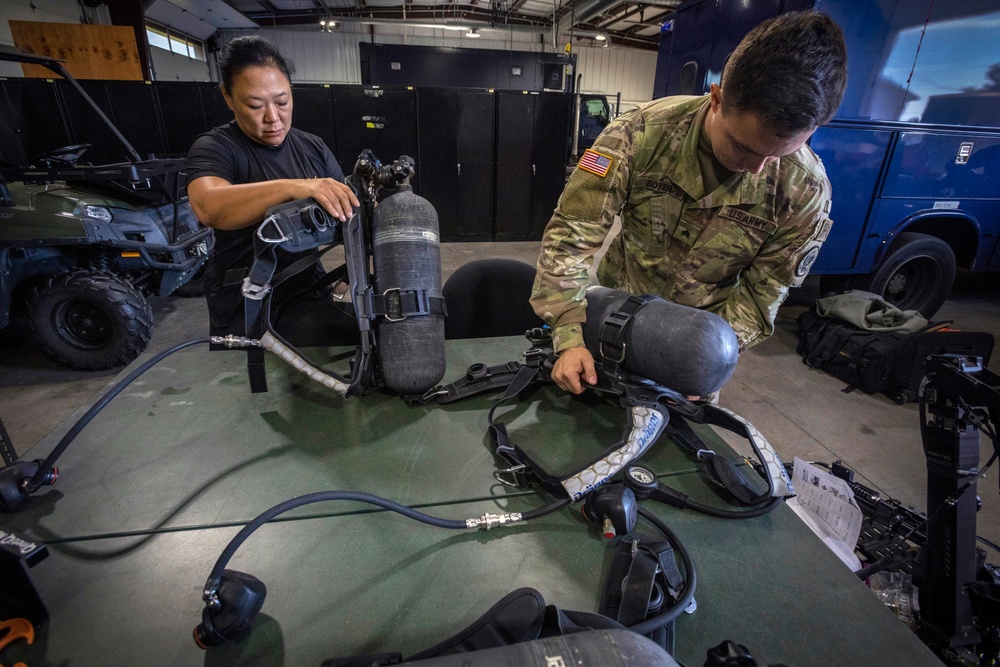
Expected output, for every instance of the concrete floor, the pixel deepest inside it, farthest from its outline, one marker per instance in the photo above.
(802, 411)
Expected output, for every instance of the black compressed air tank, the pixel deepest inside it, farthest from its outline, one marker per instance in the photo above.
(406, 255)
(691, 351)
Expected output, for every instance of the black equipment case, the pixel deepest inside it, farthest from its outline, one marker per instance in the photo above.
(891, 363)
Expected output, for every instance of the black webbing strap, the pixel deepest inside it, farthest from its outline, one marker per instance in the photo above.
(718, 468)
(7, 451)
(644, 579)
(258, 289)
(521, 465)
(399, 303)
(614, 329)
(478, 379)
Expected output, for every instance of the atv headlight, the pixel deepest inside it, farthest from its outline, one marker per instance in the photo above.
(98, 213)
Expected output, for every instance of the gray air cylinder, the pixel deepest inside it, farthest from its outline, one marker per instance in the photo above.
(406, 255)
(691, 351)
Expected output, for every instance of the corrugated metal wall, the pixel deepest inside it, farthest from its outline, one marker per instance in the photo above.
(611, 71)
(334, 57)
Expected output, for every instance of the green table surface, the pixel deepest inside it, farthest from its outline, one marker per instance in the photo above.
(156, 486)
(188, 444)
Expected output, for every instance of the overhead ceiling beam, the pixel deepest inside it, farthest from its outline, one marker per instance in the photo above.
(611, 20)
(467, 13)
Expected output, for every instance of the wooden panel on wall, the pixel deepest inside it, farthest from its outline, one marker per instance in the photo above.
(89, 51)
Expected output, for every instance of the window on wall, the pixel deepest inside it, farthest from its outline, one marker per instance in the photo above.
(169, 40)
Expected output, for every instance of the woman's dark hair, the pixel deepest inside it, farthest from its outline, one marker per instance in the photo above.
(247, 51)
(791, 71)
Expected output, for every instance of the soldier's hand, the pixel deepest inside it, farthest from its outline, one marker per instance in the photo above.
(574, 366)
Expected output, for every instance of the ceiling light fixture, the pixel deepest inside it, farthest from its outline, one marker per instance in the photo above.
(473, 32)
(601, 38)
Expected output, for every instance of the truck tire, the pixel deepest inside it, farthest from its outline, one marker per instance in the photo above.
(91, 320)
(916, 274)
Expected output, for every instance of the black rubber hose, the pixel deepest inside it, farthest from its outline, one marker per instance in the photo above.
(323, 496)
(676, 609)
(43, 470)
(758, 510)
(548, 509)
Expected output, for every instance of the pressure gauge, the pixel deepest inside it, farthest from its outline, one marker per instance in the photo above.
(641, 480)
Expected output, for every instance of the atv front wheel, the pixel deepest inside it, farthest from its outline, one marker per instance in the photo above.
(91, 320)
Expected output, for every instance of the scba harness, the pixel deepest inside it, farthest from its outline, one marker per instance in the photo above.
(651, 410)
(403, 230)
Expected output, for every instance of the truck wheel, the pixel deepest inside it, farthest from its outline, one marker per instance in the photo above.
(91, 320)
(916, 274)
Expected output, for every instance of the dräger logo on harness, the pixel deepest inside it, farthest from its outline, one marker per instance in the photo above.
(14, 543)
(649, 431)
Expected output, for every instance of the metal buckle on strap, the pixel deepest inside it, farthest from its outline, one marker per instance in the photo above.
(273, 221)
(432, 393)
(253, 291)
(399, 305)
(513, 472)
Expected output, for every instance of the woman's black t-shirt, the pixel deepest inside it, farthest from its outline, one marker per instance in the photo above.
(225, 152)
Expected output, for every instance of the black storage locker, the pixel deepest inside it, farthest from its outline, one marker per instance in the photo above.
(187, 109)
(36, 116)
(312, 111)
(129, 105)
(85, 127)
(133, 107)
(217, 112)
(532, 147)
(382, 119)
(455, 136)
(11, 149)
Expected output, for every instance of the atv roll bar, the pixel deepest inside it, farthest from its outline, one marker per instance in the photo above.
(17, 55)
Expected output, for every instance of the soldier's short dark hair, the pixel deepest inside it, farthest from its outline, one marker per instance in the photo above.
(791, 71)
(248, 51)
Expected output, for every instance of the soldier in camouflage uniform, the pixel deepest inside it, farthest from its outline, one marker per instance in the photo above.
(723, 206)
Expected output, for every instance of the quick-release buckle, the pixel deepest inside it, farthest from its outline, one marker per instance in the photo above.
(254, 291)
(612, 336)
(393, 306)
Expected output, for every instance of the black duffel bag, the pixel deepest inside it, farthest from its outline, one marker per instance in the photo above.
(872, 361)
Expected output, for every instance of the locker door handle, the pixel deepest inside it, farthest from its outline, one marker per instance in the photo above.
(459, 168)
(532, 170)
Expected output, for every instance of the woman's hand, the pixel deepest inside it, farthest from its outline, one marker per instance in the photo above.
(337, 198)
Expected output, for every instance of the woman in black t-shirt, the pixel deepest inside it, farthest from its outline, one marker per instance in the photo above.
(239, 170)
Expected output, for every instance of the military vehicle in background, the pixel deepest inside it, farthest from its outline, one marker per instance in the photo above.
(82, 246)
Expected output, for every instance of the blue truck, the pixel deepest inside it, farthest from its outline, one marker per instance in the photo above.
(913, 153)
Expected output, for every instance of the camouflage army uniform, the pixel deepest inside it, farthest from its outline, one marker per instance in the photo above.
(734, 251)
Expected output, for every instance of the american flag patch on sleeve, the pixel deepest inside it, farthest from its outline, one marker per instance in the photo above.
(595, 163)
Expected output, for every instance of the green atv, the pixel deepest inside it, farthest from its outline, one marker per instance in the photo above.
(82, 246)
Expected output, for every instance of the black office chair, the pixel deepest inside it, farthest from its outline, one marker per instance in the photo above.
(489, 297)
